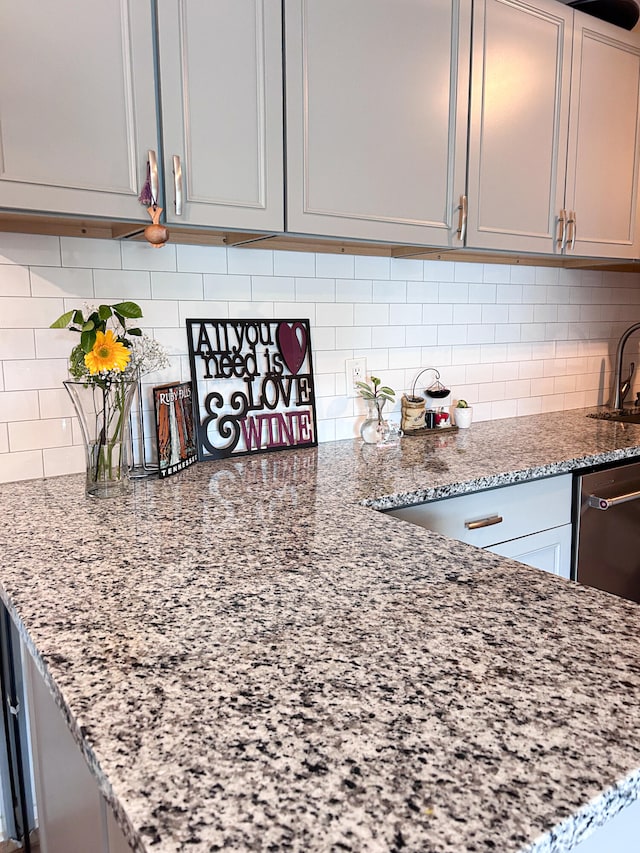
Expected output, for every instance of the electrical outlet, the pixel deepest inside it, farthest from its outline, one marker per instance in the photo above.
(355, 370)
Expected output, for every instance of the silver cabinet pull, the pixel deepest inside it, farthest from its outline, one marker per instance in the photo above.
(153, 175)
(571, 229)
(562, 225)
(462, 223)
(177, 183)
(484, 522)
(606, 503)
(574, 229)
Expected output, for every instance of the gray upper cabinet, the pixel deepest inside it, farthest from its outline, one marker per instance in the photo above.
(521, 74)
(78, 94)
(377, 100)
(553, 134)
(77, 106)
(604, 134)
(221, 94)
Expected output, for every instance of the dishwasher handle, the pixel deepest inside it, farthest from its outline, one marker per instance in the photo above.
(606, 503)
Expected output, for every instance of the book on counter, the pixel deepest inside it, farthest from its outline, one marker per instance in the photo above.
(175, 431)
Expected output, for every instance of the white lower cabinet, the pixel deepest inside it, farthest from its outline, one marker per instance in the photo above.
(72, 814)
(529, 522)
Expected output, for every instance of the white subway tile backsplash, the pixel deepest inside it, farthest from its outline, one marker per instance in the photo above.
(27, 249)
(467, 272)
(53, 403)
(180, 312)
(547, 275)
(453, 335)
(143, 256)
(372, 267)
(376, 314)
(406, 269)
(453, 292)
(32, 374)
(251, 310)
(176, 285)
(21, 466)
(14, 280)
(507, 338)
(20, 313)
(296, 264)
(389, 291)
(496, 274)
(90, 253)
(54, 343)
(421, 335)
(483, 293)
(17, 343)
(61, 281)
(387, 336)
(19, 406)
(402, 358)
(116, 285)
(465, 313)
(161, 312)
(404, 315)
(33, 435)
(331, 361)
(63, 460)
(353, 290)
(437, 314)
(250, 261)
(315, 290)
(509, 294)
(481, 334)
(424, 291)
(202, 259)
(225, 287)
(354, 337)
(335, 266)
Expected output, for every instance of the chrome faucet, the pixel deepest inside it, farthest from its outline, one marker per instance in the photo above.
(616, 393)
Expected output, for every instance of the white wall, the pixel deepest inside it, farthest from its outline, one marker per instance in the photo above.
(512, 340)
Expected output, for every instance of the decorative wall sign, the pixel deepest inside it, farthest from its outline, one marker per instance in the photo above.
(253, 382)
(175, 431)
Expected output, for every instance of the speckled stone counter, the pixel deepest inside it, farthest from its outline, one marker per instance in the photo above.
(252, 658)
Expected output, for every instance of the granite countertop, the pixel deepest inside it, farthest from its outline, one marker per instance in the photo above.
(252, 658)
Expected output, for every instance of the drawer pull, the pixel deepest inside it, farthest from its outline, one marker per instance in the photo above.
(483, 522)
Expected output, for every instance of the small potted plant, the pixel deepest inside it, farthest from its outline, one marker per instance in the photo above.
(376, 396)
(463, 413)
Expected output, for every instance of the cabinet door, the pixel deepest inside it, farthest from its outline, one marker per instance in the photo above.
(221, 94)
(521, 67)
(377, 95)
(77, 106)
(549, 550)
(604, 143)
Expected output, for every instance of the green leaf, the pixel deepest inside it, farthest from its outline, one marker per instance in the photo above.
(87, 340)
(128, 309)
(104, 312)
(78, 317)
(88, 326)
(386, 390)
(63, 321)
(135, 331)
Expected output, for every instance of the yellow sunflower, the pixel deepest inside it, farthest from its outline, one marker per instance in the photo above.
(107, 354)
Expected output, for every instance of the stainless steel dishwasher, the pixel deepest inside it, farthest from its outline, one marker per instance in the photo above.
(607, 543)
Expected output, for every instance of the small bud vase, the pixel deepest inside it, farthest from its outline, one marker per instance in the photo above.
(373, 429)
(103, 406)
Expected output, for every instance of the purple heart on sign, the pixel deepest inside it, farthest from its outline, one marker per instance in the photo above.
(292, 341)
